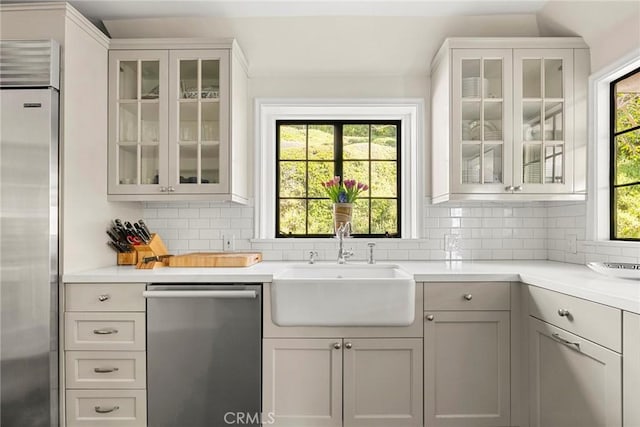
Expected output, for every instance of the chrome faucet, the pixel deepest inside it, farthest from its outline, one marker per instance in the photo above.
(370, 260)
(343, 254)
(312, 257)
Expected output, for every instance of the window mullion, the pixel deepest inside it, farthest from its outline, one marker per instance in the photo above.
(338, 150)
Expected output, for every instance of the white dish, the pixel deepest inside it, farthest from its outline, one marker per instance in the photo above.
(621, 270)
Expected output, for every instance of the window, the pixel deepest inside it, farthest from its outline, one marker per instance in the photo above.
(309, 153)
(625, 157)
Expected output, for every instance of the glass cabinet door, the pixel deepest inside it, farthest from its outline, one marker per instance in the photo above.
(543, 91)
(481, 119)
(199, 126)
(137, 105)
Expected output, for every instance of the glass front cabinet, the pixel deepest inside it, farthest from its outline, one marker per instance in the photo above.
(509, 119)
(171, 134)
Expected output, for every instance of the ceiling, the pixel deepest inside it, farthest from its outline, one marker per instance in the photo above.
(98, 10)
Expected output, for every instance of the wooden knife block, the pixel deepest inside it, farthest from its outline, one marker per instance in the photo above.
(128, 258)
(155, 247)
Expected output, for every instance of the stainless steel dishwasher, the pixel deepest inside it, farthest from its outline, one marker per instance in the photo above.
(204, 349)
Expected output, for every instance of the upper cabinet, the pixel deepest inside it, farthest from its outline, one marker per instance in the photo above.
(509, 119)
(177, 121)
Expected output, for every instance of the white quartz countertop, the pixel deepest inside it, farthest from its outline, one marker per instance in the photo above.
(571, 279)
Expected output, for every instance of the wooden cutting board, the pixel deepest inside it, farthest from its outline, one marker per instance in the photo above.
(215, 259)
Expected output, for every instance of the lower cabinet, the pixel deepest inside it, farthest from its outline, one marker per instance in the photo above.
(631, 369)
(343, 382)
(467, 369)
(572, 381)
(104, 374)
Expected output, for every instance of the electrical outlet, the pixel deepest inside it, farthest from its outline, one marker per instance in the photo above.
(228, 242)
(451, 242)
(572, 243)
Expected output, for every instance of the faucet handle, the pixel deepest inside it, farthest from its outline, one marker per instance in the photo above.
(312, 257)
(370, 260)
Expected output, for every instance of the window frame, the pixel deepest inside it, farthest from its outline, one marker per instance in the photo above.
(338, 162)
(612, 158)
(412, 112)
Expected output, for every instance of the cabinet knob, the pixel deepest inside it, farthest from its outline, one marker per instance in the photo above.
(509, 188)
(163, 189)
(563, 312)
(518, 188)
(337, 346)
(467, 297)
(348, 345)
(171, 189)
(430, 317)
(103, 298)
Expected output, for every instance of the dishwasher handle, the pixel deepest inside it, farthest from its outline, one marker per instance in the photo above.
(230, 294)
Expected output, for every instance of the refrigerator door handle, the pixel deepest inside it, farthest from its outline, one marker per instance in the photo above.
(244, 294)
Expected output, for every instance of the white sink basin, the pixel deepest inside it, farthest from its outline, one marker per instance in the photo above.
(343, 295)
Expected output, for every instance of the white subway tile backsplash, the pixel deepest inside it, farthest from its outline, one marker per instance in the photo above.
(485, 230)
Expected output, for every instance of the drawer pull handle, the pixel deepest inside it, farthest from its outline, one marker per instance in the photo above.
(468, 297)
(101, 410)
(104, 370)
(571, 344)
(105, 331)
(430, 317)
(563, 312)
(103, 298)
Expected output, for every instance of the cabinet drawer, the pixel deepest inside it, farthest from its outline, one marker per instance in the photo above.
(104, 297)
(104, 331)
(466, 296)
(118, 408)
(596, 322)
(105, 369)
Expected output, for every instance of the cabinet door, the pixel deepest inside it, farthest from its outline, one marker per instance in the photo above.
(481, 120)
(467, 369)
(199, 121)
(631, 369)
(543, 120)
(138, 103)
(573, 382)
(302, 382)
(383, 382)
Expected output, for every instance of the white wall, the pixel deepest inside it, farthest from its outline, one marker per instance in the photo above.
(312, 46)
(610, 28)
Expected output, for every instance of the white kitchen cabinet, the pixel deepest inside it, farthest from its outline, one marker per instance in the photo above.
(302, 381)
(382, 382)
(177, 121)
(631, 369)
(572, 381)
(509, 119)
(313, 382)
(104, 362)
(467, 368)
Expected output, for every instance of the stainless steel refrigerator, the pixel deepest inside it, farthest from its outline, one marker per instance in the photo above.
(29, 233)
